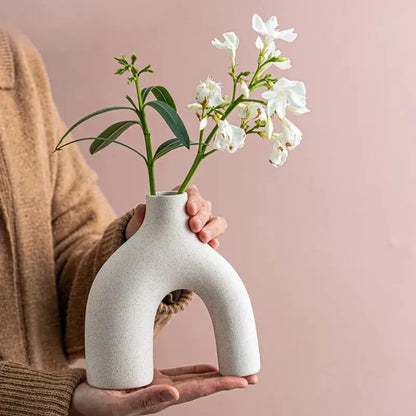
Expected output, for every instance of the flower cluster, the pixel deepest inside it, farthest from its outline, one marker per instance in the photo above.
(256, 115)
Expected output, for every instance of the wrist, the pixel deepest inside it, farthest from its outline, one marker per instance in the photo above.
(74, 406)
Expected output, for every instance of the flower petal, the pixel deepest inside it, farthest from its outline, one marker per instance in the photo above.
(259, 43)
(279, 155)
(258, 24)
(288, 35)
(283, 64)
(203, 123)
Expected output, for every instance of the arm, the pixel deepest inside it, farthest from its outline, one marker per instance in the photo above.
(27, 391)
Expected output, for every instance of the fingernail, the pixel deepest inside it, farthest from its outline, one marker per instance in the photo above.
(207, 235)
(167, 395)
(198, 224)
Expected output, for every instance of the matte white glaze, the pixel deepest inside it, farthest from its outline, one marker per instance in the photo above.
(164, 255)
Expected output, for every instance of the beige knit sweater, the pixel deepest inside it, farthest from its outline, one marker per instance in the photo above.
(56, 231)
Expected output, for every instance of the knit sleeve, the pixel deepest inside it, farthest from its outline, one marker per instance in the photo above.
(30, 392)
(86, 232)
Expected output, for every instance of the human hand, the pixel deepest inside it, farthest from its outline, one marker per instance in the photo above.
(201, 221)
(169, 387)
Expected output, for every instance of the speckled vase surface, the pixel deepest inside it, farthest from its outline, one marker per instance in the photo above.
(162, 256)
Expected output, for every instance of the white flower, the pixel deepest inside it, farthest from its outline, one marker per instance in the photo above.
(279, 152)
(195, 107)
(251, 111)
(209, 93)
(203, 123)
(244, 89)
(269, 128)
(230, 44)
(229, 137)
(269, 31)
(291, 135)
(286, 94)
(271, 52)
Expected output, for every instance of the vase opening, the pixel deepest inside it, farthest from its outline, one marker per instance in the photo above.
(162, 194)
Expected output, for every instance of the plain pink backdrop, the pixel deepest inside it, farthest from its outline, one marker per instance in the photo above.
(326, 245)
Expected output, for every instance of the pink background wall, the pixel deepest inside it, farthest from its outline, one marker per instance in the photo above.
(326, 245)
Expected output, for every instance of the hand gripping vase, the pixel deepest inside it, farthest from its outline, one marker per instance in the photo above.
(162, 256)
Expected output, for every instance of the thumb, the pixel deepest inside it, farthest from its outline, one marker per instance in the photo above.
(139, 213)
(136, 220)
(152, 396)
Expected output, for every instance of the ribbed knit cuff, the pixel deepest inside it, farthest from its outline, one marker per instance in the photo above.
(31, 392)
(173, 303)
(6, 62)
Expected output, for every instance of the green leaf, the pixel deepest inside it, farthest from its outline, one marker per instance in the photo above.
(120, 71)
(131, 101)
(145, 93)
(172, 120)
(166, 147)
(160, 93)
(95, 113)
(169, 145)
(111, 133)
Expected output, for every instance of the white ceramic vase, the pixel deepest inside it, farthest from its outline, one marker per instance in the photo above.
(163, 256)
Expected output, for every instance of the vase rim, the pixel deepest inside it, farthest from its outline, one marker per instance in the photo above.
(166, 194)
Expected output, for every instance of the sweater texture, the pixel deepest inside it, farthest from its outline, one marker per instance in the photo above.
(56, 231)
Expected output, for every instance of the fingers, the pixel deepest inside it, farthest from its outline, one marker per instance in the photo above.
(149, 397)
(214, 243)
(195, 200)
(213, 229)
(191, 369)
(201, 221)
(201, 217)
(194, 376)
(253, 379)
(191, 390)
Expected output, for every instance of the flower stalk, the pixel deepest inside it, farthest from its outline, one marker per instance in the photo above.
(257, 115)
(147, 138)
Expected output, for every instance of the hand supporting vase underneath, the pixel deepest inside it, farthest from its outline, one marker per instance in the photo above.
(162, 256)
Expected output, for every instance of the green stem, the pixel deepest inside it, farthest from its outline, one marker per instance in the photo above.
(201, 133)
(198, 159)
(148, 141)
(200, 155)
(234, 87)
(252, 100)
(210, 153)
(225, 115)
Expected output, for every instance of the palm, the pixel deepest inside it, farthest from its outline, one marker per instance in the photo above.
(195, 381)
(183, 383)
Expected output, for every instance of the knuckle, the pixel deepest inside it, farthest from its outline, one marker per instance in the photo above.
(192, 187)
(148, 401)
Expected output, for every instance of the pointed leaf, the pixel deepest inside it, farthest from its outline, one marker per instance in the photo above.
(95, 113)
(160, 93)
(169, 145)
(145, 93)
(172, 120)
(131, 101)
(111, 133)
(166, 147)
